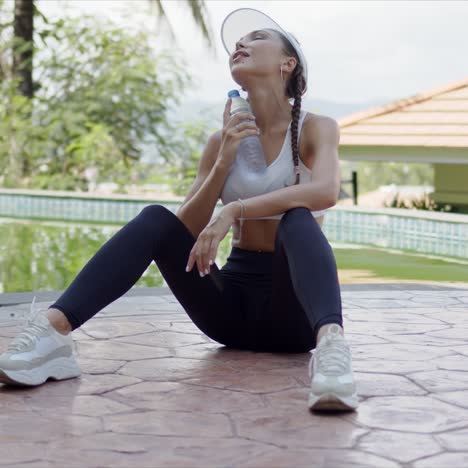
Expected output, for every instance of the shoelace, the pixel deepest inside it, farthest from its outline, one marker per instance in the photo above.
(332, 357)
(29, 331)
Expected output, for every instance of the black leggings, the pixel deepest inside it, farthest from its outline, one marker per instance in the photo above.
(265, 301)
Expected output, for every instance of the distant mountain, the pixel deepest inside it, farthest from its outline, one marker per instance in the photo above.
(340, 109)
(212, 111)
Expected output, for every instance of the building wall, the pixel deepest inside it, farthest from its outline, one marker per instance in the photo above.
(451, 184)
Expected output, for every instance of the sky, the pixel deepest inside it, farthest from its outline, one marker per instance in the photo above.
(356, 51)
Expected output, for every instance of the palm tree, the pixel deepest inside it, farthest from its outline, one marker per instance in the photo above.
(199, 15)
(23, 28)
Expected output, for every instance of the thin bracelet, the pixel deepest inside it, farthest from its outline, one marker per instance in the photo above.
(241, 218)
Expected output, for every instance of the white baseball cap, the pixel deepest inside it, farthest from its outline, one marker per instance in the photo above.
(242, 21)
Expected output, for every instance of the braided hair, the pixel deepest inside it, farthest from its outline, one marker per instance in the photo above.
(295, 88)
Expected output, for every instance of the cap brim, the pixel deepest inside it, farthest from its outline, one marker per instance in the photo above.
(242, 21)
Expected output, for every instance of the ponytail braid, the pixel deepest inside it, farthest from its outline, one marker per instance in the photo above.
(296, 113)
(295, 88)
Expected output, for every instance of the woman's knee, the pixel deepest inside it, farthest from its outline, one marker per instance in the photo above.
(295, 212)
(156, 215)
(154, 210)
(155, 220)
(293, 218)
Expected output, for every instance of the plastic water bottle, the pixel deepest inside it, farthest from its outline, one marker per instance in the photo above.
(250, 155)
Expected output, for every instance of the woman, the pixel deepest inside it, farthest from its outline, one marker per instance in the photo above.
(279, 290)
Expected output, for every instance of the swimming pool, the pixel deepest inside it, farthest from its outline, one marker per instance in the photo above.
(47, 255)
(434, 233)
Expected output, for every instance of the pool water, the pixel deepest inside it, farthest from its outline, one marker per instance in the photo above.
(47, 255)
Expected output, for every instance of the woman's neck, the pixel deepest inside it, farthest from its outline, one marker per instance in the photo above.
(270, 115)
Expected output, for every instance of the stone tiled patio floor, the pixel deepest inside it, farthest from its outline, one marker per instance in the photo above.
(155, 392)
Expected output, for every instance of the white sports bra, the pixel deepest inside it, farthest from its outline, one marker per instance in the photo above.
(278, 174)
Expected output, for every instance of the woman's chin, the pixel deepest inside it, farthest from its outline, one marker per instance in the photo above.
(239, 74)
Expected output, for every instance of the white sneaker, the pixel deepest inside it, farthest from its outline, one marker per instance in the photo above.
(38, 352)
(332, 384)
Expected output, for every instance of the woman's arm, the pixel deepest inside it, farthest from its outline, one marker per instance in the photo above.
(322, 136)
(199, 204)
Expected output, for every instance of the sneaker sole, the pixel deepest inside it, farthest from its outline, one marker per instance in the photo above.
(332, 401)
(58, 369)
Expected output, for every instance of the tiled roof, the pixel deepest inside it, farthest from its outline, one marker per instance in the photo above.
(435, 118)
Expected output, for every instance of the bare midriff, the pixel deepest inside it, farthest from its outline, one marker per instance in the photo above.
(259, 234)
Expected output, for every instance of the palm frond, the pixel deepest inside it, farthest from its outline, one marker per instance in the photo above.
(199, 13)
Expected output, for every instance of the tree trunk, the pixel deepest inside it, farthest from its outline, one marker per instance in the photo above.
(23, 29)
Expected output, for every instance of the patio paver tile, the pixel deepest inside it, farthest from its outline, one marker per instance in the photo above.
(155, 391)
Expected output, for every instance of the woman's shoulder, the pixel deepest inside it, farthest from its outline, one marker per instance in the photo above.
(314, 117)
(316, 124)
(311, 126)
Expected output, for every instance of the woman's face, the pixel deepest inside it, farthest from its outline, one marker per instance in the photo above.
(264, 51)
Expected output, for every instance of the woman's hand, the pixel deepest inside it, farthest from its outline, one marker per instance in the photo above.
(206, 246)
(235, 128)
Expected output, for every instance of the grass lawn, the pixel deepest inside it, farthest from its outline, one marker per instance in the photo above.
(367, 264)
